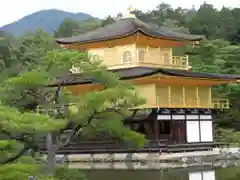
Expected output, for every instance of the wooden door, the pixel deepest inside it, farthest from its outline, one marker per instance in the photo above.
(178, 132)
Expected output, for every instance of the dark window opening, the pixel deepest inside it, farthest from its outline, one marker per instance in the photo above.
(139, 127)
(164, 127)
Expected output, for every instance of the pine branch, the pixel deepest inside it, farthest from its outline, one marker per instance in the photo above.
(36, 95)
(23, 139)
(76, 130)
(20, 138)
(80, 127)
(16, 156)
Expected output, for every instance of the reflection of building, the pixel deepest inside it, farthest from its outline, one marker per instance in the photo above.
(204, 175)
(179, 101)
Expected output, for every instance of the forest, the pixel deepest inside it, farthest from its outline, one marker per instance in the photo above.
(29, 111)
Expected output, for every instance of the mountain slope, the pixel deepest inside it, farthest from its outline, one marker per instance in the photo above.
(48, 20)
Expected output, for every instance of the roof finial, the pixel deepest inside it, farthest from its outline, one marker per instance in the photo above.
(131, 9)
(129, 13)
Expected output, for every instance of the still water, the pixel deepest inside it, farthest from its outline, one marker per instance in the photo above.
(209, 174)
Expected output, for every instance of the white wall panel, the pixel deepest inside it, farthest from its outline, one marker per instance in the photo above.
(206, 129)
(192, 117)
(206, 117)
(178, 117)
(193, 134)
(164, 117)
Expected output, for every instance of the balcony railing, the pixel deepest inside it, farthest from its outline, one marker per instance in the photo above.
(180, 61)
(220, 104)
(171, 62)
(215, 104)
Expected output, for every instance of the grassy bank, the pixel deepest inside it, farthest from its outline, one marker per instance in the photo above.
(228, 135)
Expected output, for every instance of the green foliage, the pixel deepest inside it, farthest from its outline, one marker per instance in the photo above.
(71, 27)
(201, 23)
(18, 171)
(108, 20)
(228, 135)
(219, 56)
(29, 122)
(174, 25)
(29, 110)
(88, 25)
(227, 173)
(206, 20)
(67, 28)
(69, 174)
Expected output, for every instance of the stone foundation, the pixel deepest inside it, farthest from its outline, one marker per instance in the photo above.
(216, 157)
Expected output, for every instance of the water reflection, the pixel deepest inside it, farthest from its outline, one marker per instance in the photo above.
(202, 175)
(218, 174)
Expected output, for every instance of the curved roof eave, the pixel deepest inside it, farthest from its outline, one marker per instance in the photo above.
(63, 41)
(93, 40)
(138, 72)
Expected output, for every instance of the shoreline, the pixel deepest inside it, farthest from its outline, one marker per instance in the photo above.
(214, 158)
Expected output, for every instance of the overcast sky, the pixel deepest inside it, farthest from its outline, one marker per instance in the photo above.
(12, 10)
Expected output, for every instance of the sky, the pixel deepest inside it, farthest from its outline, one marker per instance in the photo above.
(12, 10)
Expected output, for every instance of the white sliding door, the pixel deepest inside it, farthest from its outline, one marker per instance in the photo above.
(206, 131)
(193, 134)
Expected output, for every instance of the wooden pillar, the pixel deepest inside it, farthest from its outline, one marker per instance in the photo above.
(183, 96)
(156, 125)
(210, 97)
(173, 132)
(169, 97)
(184, 130)
(149, 131)
(197, 95)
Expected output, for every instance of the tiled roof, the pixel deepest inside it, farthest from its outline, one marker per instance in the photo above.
(126, 27)
(136, 72)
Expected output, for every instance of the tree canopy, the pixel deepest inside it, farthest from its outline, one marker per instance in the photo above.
(30, 110)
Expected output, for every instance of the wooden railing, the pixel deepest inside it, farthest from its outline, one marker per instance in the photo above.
(180, 61)
(215, 104)
(82, 147)
(220, 104)
(173, 62)
(98, 147)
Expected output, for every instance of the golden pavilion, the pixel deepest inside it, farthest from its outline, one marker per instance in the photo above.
(179, 101)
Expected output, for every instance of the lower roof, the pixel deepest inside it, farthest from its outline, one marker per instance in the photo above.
(137, 72)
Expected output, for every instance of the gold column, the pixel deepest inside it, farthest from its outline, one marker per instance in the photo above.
(197, 94)
(187, 62)
(183, 96)
(169, 97)
(210, 98)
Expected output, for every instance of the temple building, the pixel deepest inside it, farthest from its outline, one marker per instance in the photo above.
(179, 108)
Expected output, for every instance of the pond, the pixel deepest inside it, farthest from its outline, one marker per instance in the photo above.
(179, 174)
